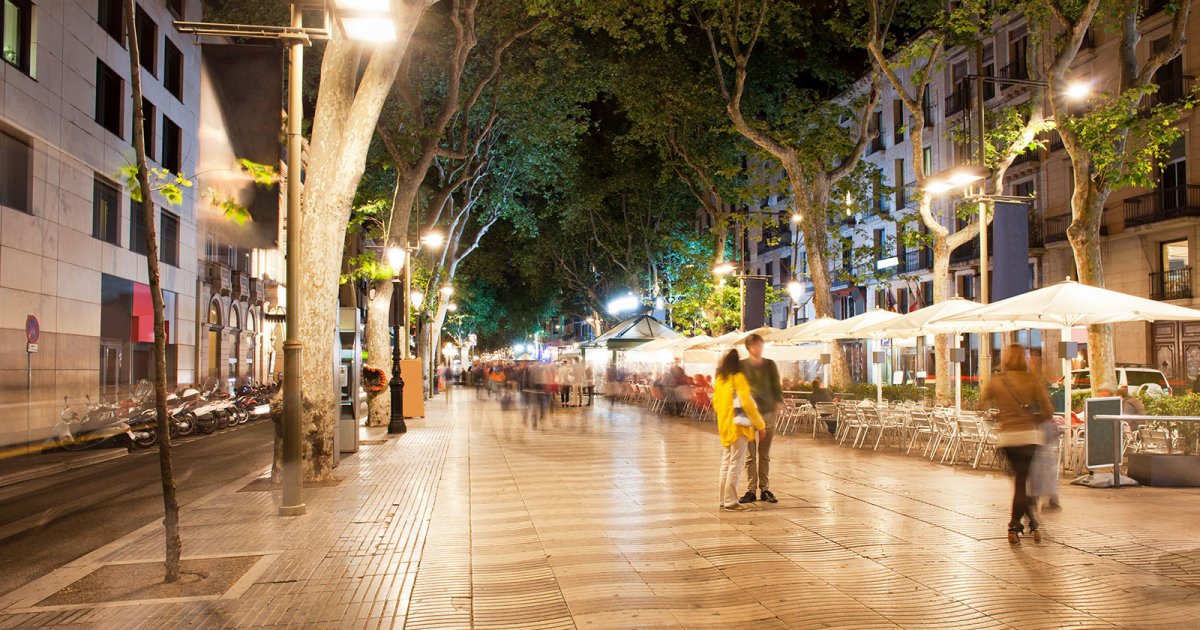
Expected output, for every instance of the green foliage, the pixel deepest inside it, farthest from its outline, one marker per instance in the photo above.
(169, 185)
(867, 391)
(1186, 405)
(1125, 143)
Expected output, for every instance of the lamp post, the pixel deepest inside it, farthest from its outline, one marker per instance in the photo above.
(396, 424)
(360, 20)
(970, 177)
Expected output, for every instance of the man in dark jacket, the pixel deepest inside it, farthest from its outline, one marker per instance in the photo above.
(765, 386)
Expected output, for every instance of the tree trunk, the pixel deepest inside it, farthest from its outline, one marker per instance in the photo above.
(816, 243)
(1087, 206)
(379, 351)
(944, 387)
(174, 547)
(348, 106)
(721, 235)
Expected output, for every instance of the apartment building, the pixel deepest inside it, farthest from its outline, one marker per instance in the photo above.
(1150, 235)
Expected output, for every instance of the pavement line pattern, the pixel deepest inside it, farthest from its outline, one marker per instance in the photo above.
(607, 517)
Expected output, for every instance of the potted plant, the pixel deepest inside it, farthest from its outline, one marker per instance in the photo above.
(1178, 464)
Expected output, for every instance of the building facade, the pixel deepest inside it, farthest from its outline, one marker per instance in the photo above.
(72, 252)
(1149, 235)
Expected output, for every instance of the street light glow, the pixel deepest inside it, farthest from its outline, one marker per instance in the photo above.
(434, 239)
(447, 290)
(369, 6)
(1078, 90)
(395, 258)
(937, 186)
(452, 307)
(624, 303)
(417, 298)
(964, 176)
(796, 290)
(797, 217)
(369, 29)
(723, 269)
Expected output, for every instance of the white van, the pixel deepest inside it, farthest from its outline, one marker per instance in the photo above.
(1131, 377)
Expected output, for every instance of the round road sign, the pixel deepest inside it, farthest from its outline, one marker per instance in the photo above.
(33, 331)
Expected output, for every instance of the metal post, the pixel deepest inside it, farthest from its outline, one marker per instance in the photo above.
(985, 339)
(742, 302)
(399, 306)
(293, 490)
(407, 290)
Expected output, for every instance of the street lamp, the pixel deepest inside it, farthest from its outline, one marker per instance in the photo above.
(724, 269)
(795, 291)
(446, 290)
(968, 177)
(396, 424)
(452, 307)
(371, 20)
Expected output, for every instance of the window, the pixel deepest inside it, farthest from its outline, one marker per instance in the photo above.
(16, 24)
(878, 244)
(769, 272)
(137, 228)
(927, 160)
(1018, 54)
(1172, 181)
(176, 8)
(1174, 255)
(897, 121)
(111, 17)
(147, 36)
(927, 105)
(899, 184)
(173, 69)
(149, 116)
(168, 251)
(109, 92)
(172, 146)
(104, 211)
(15, 173)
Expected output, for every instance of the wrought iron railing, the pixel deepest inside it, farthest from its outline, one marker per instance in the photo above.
(1163, 204)
(1173, 284)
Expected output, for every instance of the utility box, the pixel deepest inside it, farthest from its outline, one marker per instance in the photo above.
(414, 388)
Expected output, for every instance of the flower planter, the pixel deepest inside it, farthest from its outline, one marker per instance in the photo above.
(1161, 470)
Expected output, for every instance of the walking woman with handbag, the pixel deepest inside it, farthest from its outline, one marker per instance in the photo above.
(738, 422)
(1023, 406)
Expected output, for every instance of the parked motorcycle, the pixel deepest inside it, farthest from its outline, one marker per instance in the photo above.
(99, 424)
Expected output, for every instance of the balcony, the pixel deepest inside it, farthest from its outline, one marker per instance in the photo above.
(1174, 284)
(1163, 204)
(1017, 71)
(876, 144)
(1056, 228)
(218, 276)
(257, 291)
(241, 285)
(958, 100)
(1170, 90)
(968, 252)
(914, 261)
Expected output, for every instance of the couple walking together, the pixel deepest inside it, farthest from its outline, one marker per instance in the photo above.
(746, 394)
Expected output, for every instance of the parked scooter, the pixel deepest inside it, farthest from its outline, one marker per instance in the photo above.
(99, 424)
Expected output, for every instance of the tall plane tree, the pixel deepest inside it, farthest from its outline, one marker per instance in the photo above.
(1119, 140)
(817, 150)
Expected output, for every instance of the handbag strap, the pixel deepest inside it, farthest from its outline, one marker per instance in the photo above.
(1008, 386)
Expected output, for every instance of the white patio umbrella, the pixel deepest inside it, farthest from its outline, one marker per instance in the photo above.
(932, 320)
(806, 332)
(1068, 304)
(851, 329)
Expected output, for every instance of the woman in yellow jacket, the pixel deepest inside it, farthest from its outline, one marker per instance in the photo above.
(738, 422)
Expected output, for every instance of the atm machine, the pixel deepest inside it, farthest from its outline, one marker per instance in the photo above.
(349, 375)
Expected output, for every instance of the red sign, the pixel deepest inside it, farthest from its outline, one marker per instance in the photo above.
(33, 331)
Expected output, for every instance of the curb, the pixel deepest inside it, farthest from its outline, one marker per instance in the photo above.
(83, 460)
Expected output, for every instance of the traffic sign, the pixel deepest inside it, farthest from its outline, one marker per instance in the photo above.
(31, 348)
(33, 331)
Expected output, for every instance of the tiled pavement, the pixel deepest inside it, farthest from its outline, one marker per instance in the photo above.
(606, 517)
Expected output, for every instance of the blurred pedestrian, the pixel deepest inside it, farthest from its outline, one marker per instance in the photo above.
(738, 423)
(822, 394)
(1022, 407)
(767, 389)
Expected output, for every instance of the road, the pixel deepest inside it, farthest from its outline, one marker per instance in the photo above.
(48, 522)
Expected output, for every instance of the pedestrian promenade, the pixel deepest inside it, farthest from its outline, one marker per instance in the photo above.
(607, 517)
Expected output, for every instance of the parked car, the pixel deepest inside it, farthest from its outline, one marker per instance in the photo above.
(1131, 376)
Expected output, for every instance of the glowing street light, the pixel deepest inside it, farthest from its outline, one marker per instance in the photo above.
(395, 258)
(1078, 90)
(417, 298)
(434, 239)
(446, 290)
(724, 269)
(452, 307)
(366, 20)
(795, 290)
